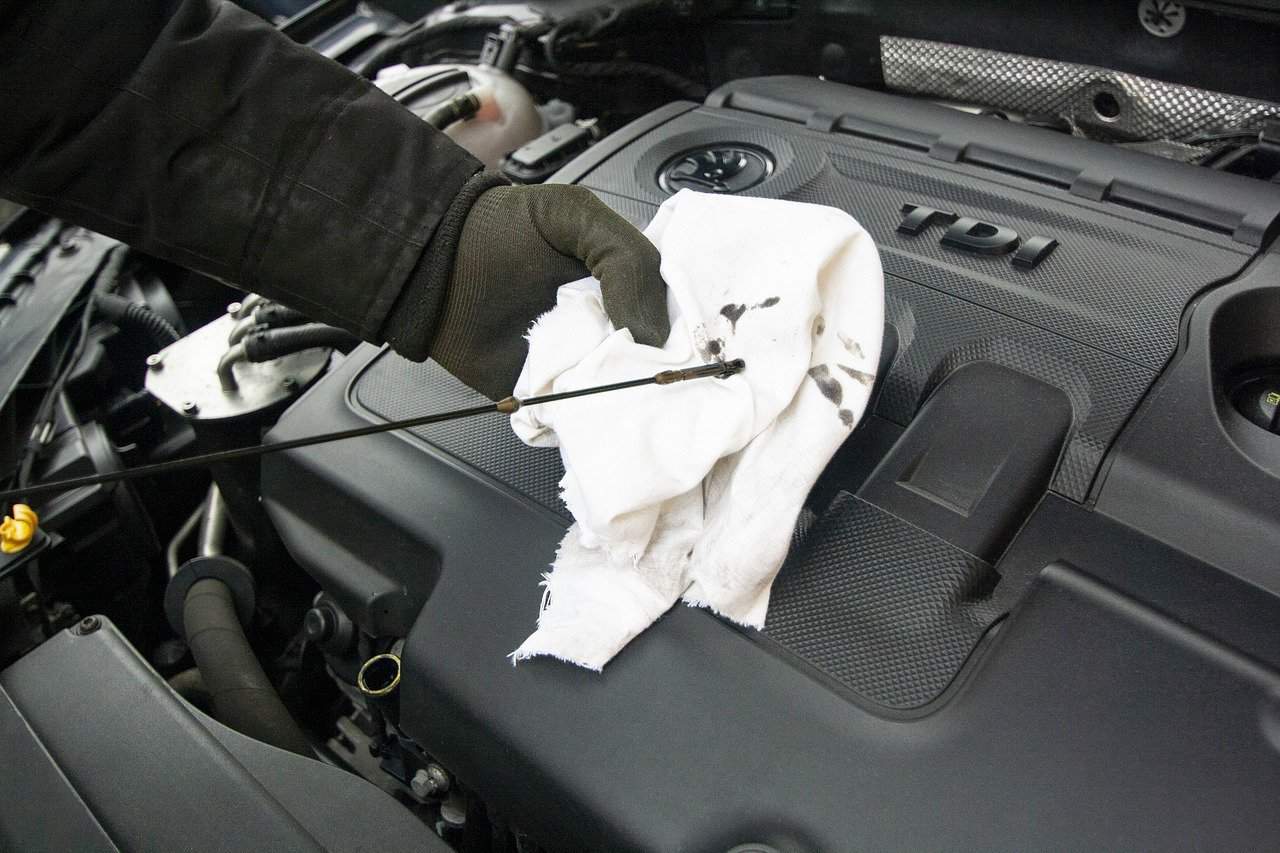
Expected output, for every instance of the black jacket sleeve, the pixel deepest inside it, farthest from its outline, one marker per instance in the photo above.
(197, 133)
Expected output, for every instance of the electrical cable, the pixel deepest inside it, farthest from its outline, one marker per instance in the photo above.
(677, 83)
(106, 278)
(593, 23)
(507, 406)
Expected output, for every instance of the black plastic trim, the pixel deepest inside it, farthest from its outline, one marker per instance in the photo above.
(120, 755)
(578, 168)
(1247, 209)
(1189, 454)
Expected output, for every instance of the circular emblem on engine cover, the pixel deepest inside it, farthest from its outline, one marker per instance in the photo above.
(716, 169)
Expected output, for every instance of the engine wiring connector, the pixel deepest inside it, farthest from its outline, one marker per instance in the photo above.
(17, 531)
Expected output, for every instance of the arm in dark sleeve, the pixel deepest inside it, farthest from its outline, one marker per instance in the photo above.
(197, 133)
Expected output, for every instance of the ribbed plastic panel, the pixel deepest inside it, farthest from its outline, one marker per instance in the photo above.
(1118, 280)
(1098, 318)
(882, 607)
(1111, 284)
(938, 333)
(393, 388)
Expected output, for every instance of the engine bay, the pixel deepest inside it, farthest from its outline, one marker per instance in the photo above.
(1033, 602)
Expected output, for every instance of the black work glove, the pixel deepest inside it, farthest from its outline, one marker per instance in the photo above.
(517, 246)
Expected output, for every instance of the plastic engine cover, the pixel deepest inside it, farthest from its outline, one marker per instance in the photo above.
(960, 652)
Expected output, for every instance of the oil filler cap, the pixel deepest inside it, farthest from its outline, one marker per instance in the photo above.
(1258, 399)
(716, 169)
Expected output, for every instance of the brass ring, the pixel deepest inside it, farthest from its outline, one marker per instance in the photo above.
(381, 691)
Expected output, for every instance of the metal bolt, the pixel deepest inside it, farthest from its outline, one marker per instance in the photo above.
(190, 407)
(430, 781)
(155, 361)
(288, 383)
(88, 625)
(234, 309)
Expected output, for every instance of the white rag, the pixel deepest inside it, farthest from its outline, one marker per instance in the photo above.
(692, 490)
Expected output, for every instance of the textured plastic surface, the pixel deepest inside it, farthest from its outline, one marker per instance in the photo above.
(487, 442)
(870, 570)
(30, 312)
(1083, 702)
(1117, 282)
(1098, 319)
(1155, 485)
(138, 766)
(879, 605)
(1094, 323)
(973, 463)
(40, 792)
(1246, 209)
(937, 336)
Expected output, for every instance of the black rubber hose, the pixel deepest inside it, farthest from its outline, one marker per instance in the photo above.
(454, 110)
(677, 83)
(108, 278)
(277, 316)
(135, 315)
(591, 24)
(242, 696)
(274, 343)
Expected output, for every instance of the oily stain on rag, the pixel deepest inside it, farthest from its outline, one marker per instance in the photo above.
(733, 311)
(858, 375)
(854, 348)
(832, 390)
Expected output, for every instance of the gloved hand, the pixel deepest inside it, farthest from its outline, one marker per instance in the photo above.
(517, 246)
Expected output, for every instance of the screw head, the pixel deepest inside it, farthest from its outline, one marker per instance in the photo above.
(88, 625)
(234, 308)
(190, 407)
(430, 781)
(155, 361)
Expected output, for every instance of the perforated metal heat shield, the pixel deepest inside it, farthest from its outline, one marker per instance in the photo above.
(1144, 109)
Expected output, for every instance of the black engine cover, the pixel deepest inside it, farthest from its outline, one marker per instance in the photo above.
(960, 653)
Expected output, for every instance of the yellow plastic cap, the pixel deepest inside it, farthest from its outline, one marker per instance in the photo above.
(17, 530)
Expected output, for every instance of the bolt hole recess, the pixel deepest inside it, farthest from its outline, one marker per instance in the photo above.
(1106, 105)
